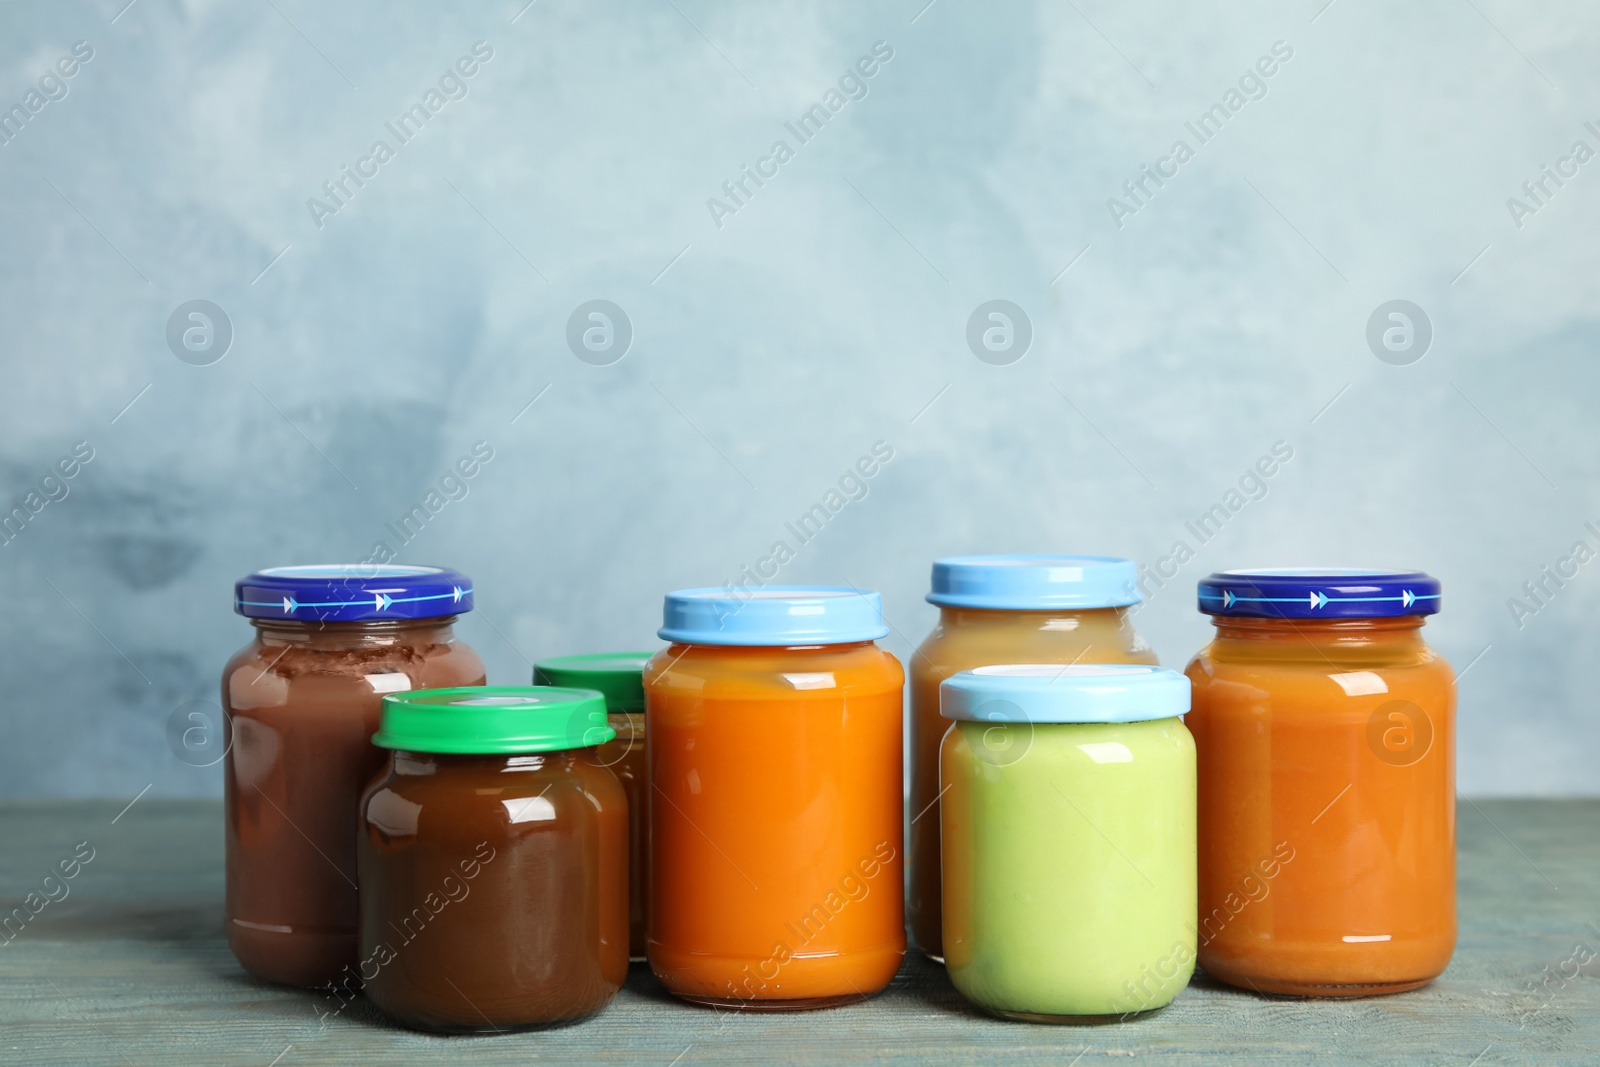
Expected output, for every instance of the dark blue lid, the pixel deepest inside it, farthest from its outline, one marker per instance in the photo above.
(1319, 593)
(352, 592)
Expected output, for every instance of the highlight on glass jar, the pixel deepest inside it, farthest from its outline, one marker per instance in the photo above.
(776, 818)
(1325, 728)
(301, 702)
(619, 677)
(1068, 828)
(1003, 609)
(493, 861)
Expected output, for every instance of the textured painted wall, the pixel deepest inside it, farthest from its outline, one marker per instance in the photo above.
(372, 333)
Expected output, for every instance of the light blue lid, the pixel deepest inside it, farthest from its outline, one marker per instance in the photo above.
(1053, 692)
(1034, 582)
(773, 616)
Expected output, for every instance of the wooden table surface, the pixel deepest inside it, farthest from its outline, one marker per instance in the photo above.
(130, 967)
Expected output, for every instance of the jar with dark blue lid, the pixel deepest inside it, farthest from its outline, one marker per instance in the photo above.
(1324, 729)
(301, 703)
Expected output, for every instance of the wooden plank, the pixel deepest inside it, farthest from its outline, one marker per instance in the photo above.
(131, 968)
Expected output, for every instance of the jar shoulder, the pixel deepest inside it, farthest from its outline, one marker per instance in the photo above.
(263, 675)
(248, 682)
(1218, 671)
(250, 653)
(455, 801)
(600, 782)
(580, 774)
(952, 648)
(1225, 656)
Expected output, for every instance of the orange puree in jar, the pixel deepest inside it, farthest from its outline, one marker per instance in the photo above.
(775, 813)
(1326, 771)
(1002, 610)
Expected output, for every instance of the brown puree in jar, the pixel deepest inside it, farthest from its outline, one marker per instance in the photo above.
(494, 891)
(303, 701)
(628, 759)
(619, 677)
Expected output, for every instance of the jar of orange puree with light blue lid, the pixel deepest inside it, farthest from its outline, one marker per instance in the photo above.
(1002, 609)
(1068, 834)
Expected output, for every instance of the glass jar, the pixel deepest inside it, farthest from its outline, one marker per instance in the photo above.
(493, 861)
(1068, 825)
(776, 819)
(1003, 609)
(301, 702)
(1326, 734)
(619, 677)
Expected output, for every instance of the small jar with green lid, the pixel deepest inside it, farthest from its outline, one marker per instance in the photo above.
(619, 677)
(492, 861)
(1068, 838)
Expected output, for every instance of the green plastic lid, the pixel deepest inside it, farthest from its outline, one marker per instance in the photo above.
(619, 676)
(493, 719)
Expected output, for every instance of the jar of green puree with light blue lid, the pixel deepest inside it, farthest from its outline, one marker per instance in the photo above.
(1068, 837)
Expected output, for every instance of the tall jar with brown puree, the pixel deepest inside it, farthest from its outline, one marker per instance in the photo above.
(1001, 610)
(302, 701)
(494, 861)
(619, 677)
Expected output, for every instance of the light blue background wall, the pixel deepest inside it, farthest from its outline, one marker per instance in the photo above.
(1225, 315)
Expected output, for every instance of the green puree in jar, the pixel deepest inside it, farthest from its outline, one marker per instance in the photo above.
(1069, 846)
